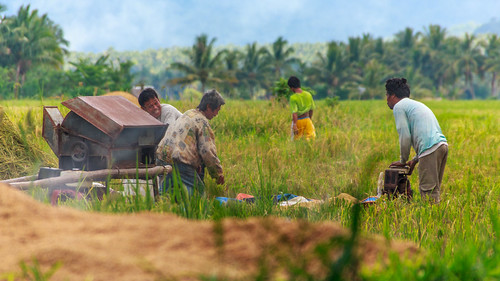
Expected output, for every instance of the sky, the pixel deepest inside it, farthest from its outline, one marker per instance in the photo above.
(127, 25)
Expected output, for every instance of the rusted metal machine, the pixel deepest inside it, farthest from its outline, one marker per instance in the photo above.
(102, 132)
(396, 182)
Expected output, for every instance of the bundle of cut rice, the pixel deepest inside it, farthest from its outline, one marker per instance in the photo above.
(16, 155)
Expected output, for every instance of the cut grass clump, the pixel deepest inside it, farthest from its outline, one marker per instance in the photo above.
(15, 151)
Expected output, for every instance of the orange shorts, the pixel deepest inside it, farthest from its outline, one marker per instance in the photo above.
(305, 129)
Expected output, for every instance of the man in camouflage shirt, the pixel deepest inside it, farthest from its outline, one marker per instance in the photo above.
(189, 145)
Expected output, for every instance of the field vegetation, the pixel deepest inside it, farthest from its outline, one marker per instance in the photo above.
(356, 141)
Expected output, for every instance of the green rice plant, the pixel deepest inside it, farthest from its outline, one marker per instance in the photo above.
(468, 262)
(356, 140)
(347, 266)
(31, 272)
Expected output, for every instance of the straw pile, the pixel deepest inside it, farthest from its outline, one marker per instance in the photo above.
(16, 155)
(126, 95)
(149, 246)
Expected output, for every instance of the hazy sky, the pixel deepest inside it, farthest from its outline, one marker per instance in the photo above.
(96, 25)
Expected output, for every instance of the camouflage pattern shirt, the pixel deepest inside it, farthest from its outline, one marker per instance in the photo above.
(190, 140)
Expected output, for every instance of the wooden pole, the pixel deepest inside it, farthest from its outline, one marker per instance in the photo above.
(25, 178)
(99, 175)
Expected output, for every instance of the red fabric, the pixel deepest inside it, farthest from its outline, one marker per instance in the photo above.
(242, 196)
(63, 194)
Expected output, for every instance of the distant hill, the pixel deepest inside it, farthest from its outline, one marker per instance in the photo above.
(157, 60)
(491, 27)
(459, 30)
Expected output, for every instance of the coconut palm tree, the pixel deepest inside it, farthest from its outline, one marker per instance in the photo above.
(231, 60)
(374, 75)
(433, 58)
(332, 69)
(407, 39)
(280, 57)
(467, 62)
(30, 40)
(203, 65)
(402, 49)
(492, 64)
(254, 73)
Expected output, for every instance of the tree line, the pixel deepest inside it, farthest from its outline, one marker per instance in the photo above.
(34, 62)
(32, 58)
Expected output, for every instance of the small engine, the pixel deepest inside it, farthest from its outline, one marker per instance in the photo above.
(396, 182)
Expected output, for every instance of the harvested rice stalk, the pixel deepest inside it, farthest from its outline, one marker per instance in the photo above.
(19, 156)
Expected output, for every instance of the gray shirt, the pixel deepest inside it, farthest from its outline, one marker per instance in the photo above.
(417, 126)
(169, 114)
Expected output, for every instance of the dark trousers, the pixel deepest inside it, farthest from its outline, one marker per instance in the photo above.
(430, 173)
(189, 177)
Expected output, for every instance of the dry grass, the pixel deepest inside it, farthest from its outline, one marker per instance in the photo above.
(20, 150)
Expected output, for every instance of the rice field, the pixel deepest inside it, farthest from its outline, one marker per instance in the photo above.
(356, 140)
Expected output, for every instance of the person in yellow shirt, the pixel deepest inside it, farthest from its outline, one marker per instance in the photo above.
(301, 105)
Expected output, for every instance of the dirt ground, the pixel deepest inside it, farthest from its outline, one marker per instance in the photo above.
(147, 246)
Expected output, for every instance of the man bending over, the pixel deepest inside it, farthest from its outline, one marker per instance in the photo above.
(189, 145)
(418, 127)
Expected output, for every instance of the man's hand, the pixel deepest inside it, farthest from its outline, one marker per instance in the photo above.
(412, 164)
(397, 164)
(220, 180)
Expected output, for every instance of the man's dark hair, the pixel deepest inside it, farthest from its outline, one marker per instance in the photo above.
(147, 94)
(212, 98)
(293, 82)
(398, 87)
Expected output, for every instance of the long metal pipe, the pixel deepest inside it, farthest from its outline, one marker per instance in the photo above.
(99, 175)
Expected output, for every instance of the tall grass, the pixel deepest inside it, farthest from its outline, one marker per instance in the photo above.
(355, 142)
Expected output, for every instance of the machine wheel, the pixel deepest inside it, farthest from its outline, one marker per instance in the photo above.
(404, 189)
(79, 151)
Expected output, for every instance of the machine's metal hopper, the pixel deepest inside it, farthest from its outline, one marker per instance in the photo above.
(102, 132)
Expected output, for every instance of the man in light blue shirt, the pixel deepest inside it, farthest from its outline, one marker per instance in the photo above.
(418, 128)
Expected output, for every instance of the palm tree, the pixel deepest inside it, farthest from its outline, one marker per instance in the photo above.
(370, 48)
(30, 40)
(254, 73)
(357, 55)
(420, 86)
(203, 66)
(402, 49)
(467, 63)
(354, 49)
(406, 39)
(231, 61)
(331, 69)
(434, 36)
(280, 57)
(432, 55)
(374, 75)
(492, 52)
